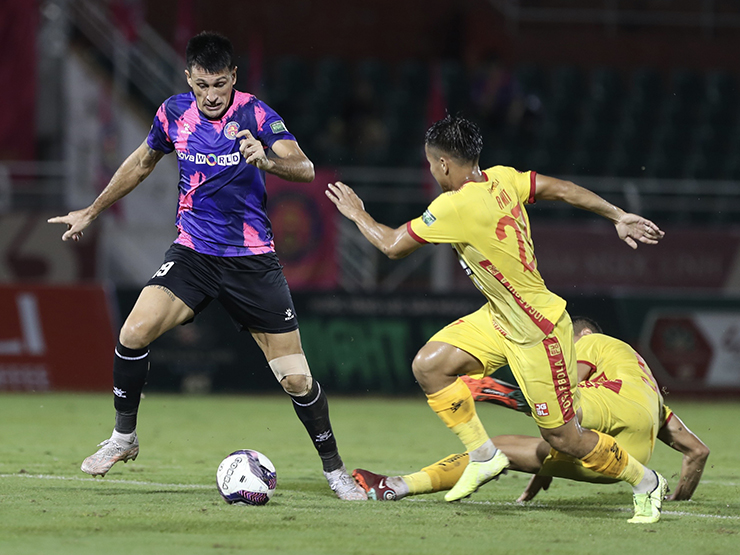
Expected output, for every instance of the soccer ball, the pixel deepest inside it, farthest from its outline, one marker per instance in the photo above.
(246, 477)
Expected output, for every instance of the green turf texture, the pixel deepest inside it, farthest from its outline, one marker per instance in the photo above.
(166, 501)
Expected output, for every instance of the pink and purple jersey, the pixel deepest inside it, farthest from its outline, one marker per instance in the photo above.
(221, 210)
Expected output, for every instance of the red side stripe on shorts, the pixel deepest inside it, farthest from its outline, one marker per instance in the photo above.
(560, 379)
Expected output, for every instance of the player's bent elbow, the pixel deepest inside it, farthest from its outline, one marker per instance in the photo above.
(701, 453)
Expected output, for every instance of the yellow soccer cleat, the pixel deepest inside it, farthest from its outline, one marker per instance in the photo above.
(476, 474)
(649, 505)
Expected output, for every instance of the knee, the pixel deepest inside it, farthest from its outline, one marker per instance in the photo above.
(135, 335)
(424, 366)
(569, 440)
(297, 385)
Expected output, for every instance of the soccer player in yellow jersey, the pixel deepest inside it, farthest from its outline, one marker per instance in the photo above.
(619, 397)
(481, 213)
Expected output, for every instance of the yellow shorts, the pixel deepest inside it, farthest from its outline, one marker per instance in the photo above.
(546, 371)
(632, 415)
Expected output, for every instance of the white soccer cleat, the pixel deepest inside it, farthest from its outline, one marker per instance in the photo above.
(110, 452)
(344, 485)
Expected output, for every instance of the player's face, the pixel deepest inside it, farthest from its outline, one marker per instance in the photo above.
(212, 90)
(437, 167)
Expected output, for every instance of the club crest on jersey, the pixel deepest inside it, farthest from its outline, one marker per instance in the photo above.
(428, 218)
(231, 129)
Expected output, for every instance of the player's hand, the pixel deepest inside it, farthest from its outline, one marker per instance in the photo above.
(76, 221)
(536, 483)
(253, 151)
(632, 228)
(345, 199)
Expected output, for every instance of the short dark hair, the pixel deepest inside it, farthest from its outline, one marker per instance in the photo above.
(456, 136)
(210, 51)
(583, 322)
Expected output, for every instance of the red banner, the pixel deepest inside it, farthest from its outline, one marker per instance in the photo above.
(55, 338)
(593, 257)
(18, 43)
(304, 222)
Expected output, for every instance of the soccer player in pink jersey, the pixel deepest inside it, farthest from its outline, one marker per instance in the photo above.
(225, 140)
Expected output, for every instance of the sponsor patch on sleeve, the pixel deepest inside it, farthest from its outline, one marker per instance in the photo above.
(278, 127)
(428, 218)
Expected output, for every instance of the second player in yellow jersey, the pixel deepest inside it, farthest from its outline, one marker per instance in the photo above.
(484, 218)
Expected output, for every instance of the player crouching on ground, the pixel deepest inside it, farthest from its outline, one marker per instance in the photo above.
(619, 397)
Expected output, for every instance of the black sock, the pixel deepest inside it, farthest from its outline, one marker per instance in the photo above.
(130, 368)
(313, 410)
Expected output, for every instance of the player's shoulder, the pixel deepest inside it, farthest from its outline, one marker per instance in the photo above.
(177, 103)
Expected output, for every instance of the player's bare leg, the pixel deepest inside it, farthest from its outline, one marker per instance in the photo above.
(285, 356)
(437, 367)
(601, 453)
(156, 311)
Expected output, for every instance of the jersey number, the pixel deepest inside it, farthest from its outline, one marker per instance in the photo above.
(163, 269)
(508, 221)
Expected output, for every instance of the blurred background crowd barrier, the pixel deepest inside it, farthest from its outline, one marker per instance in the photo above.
(636, 100)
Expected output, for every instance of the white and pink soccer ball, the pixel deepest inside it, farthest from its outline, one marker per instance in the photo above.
(246, 477)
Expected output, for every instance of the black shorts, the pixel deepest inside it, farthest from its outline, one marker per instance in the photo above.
(252, 289)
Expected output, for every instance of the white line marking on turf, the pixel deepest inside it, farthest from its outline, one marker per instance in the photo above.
(579, 507)
(415, 500)
(107, 481)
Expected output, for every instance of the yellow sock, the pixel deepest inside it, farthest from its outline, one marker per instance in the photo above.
(439, 476)
(609, 459)
(455, 406)
(419, 482)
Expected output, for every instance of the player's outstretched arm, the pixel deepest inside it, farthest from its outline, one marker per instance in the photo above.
(133, 171)
(675, 434)
(394, 243)
(631, 228)
(536, 483)
(286, 160)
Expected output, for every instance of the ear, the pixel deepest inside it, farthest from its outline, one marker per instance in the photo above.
(233, 76)
(444, 164)
(586, 331)
(187, 78)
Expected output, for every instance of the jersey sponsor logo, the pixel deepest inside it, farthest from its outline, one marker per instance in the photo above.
(231, 129)
(428, 218)
(232, 159)
(278, 127)
(541, 409)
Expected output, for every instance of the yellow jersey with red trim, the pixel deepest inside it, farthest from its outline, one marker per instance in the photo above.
(489, 228)
(613, 363)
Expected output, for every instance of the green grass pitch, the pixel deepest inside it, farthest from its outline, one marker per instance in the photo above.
(166, 501)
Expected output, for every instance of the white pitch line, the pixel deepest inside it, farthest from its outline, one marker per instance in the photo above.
(579, 507)
(414, 500)
(107, 481)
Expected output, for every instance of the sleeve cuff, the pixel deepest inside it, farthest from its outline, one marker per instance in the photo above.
(414, 235)
(532, 187)
(587, 363)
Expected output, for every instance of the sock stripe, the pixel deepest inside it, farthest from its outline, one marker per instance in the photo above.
(131, 358)
(318, 394)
